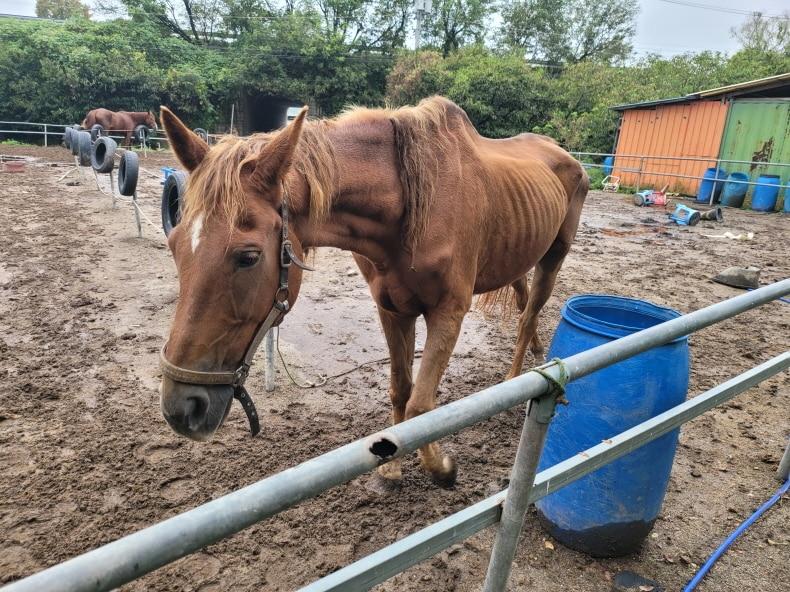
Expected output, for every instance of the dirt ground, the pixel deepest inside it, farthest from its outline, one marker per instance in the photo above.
(86, 457)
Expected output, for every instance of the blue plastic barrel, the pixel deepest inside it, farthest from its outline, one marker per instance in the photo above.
(610, 511)
(735, 189)
(608, 165)
(786, 207)
(706, 186)
(765, 196)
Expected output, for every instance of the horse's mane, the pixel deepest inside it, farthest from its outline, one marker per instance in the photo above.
(420, 135)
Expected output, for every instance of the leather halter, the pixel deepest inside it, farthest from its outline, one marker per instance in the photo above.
(237, 378)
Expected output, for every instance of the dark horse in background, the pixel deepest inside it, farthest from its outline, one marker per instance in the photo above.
(119, 122)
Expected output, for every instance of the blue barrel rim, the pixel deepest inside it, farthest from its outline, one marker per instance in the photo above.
(570, 312)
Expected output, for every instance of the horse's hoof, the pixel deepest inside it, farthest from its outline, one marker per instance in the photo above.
(448, 474)
(382, 485)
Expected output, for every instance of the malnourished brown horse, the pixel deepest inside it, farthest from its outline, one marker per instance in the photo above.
(433, 213)
(119, 122)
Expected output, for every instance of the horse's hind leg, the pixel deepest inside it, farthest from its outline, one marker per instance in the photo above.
(399, 332)
(520, 286)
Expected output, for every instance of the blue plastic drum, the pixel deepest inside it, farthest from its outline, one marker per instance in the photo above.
(712, 182)
(610, 511)
(735, 190)
(765, 195)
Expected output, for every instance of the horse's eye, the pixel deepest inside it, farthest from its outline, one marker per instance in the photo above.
(248, 258)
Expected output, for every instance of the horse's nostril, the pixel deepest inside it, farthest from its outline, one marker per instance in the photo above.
(190, 406)
(195, 409)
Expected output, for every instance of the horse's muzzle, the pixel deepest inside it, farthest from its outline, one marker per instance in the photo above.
(195, 411)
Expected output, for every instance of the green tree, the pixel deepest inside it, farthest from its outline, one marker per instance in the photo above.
(195, 21)
(61, 9)
(502, 95)
(764, 34)
(454, 23)
(380, 24)
(570, 31)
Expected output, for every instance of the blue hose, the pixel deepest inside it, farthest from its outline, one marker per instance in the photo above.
(731, 539)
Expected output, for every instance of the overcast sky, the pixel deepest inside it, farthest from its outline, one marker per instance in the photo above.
(664, 26)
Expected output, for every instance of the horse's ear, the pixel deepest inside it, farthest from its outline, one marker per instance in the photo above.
(268, 168)
(190, 149)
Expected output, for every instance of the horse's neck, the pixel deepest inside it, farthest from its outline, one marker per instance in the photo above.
(367, 205)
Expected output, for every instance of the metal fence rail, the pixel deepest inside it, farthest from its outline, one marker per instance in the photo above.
(393, 559)
(641, 171)
(47, 132)
(134, 555)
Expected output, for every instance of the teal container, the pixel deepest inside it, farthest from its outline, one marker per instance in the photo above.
(608, 165)
(765, 196)
(734, 191)
(786, 208)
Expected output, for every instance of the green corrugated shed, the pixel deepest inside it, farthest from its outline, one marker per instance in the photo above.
(758, 130)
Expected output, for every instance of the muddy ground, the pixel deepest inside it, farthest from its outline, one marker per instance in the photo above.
(86, 457)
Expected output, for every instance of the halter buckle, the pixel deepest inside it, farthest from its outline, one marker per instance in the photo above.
(240, 376)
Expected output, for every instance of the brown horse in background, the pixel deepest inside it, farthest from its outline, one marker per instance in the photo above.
(432, 212)
(119, 122)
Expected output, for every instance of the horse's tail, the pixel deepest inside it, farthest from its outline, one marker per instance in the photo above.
(497, 303)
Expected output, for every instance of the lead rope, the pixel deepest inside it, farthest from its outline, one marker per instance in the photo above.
(324, 379)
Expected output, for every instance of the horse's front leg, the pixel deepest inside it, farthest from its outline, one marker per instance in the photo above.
(399, 332)
(444, 325)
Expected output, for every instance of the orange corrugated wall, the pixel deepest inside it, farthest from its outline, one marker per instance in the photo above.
(681, 129)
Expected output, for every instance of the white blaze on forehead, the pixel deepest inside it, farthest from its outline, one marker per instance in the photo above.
(197, 228)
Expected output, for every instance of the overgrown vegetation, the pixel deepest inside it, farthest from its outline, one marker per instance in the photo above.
(549, 66)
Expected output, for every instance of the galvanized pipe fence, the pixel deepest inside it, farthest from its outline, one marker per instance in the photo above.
(641, 171)
(139, 553)
(58, 130)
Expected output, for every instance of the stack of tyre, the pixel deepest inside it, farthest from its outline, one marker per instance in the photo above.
(95, 150)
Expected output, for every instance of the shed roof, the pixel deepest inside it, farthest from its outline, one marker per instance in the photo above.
(779, 82)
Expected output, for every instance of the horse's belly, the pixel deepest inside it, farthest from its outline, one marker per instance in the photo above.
(509, 255)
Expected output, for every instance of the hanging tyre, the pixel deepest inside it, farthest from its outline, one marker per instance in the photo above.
(173, 200)
(97, 131)
(84, 148)
(75, 142)
(103, 155)
(202, 133)
(141, 133)
(128, 170)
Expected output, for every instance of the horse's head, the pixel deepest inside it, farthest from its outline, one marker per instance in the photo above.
(227, 249)
(150, 121)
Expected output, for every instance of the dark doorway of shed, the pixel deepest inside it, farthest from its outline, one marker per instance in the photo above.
(265, 114)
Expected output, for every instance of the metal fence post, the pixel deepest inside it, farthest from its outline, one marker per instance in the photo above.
(112, 190)
(715, 182)
(137, 215)
(45, 135)
(784, 465)
(268, 377)
(639, 175)
(530, 446)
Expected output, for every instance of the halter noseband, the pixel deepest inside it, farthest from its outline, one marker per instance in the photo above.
(237, 378)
